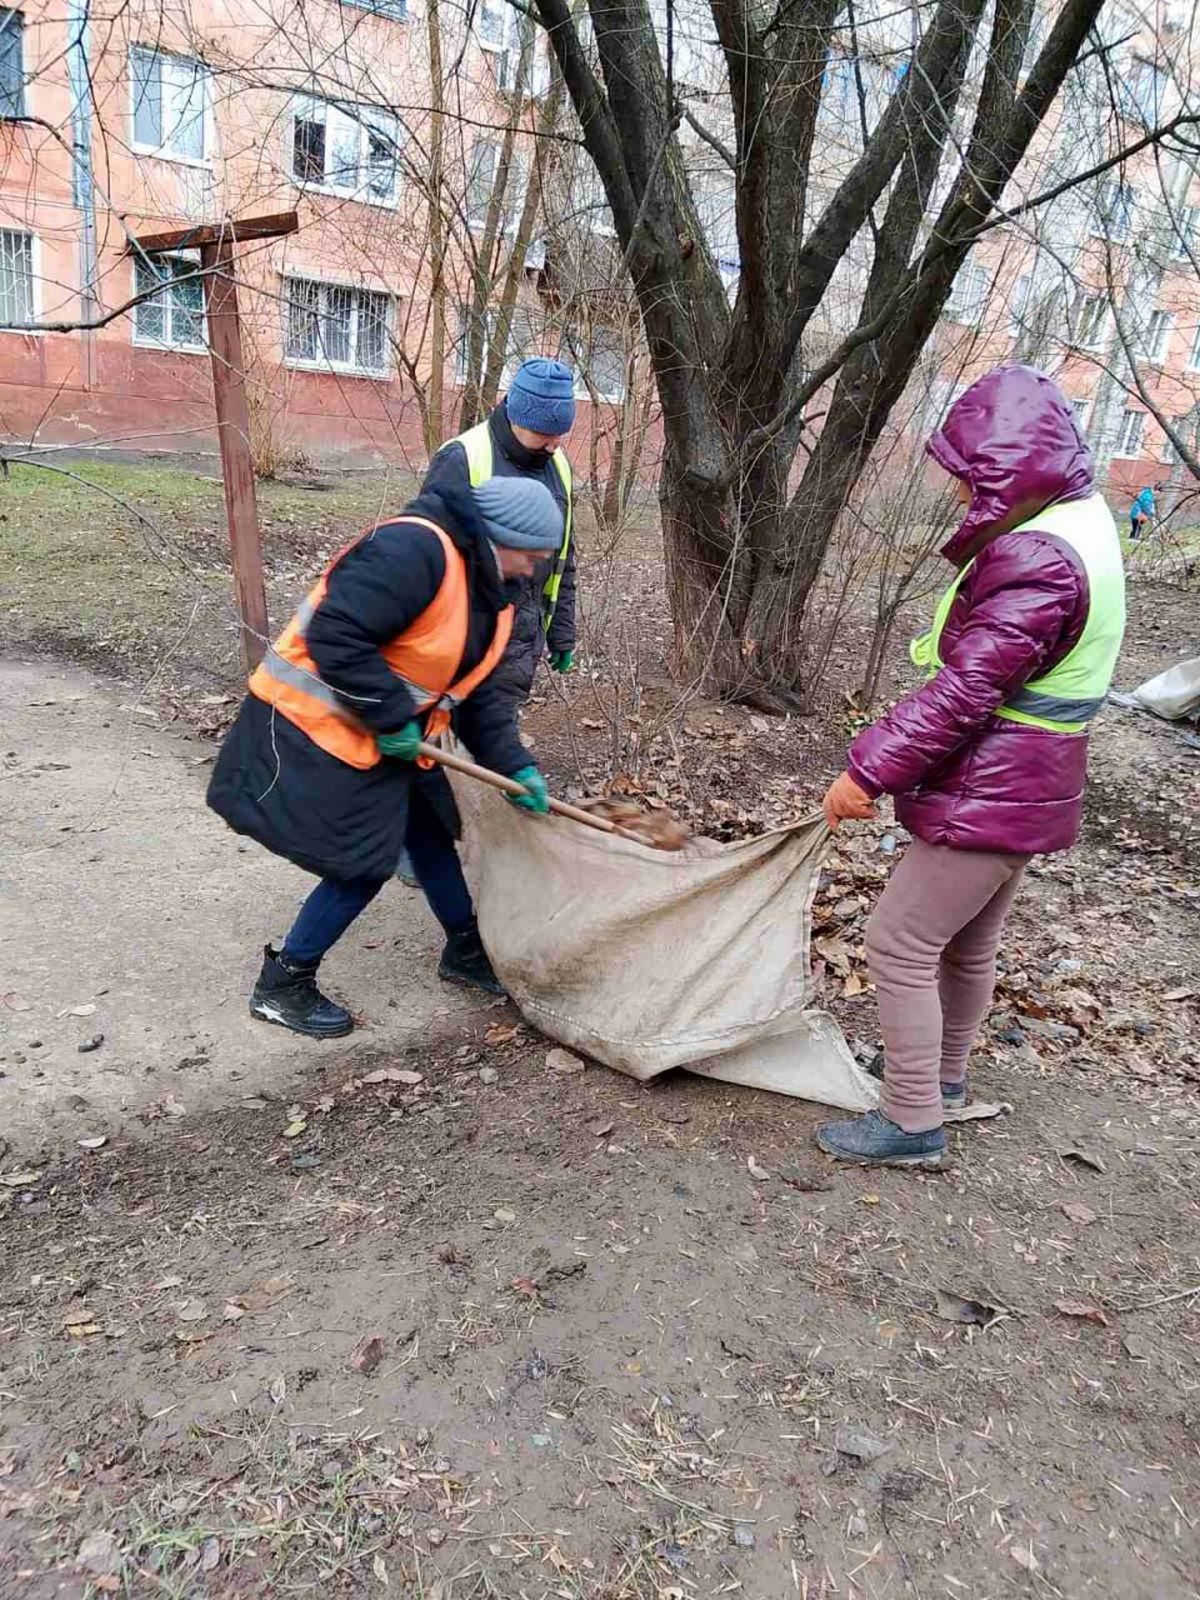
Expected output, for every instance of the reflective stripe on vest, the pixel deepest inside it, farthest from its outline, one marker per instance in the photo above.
(1065, 699)
(480, 453)
(431, 646)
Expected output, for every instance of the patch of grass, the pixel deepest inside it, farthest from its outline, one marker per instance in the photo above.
(122, 565)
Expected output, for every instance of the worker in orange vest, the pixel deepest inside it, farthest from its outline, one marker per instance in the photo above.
(322, 764)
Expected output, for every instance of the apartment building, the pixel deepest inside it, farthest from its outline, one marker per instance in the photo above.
(184, 112)
(188, 110)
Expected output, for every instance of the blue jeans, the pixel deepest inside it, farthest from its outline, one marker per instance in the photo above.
(336, 902)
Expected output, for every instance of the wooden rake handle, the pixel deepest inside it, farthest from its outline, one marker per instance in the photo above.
(560, 808)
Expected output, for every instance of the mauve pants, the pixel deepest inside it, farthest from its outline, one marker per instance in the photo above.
(931, 949)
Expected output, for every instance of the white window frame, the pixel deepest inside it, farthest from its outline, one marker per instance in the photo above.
(967, 305)
(1082, 407)
(359, 122)
(35, 280)
(609, 397)
(323, 362)
(393, 10)
(503, 42)
(1185, 233)
(1099, 333)
(1125, 448)
(1193, 360)
(164, 152)
(1018, 305)
(1156, 337)
(480, 220)
(189, 258)
(1154, 76)
(23, 80)
(1115, 193)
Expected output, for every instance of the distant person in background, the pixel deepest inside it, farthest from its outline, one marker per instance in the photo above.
(523, 438)
(1142, 512)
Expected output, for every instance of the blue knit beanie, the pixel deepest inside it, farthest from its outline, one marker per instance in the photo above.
(519, 513)
(542, 397)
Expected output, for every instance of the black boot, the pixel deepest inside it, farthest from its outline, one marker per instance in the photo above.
(465, 961)
(287, 993)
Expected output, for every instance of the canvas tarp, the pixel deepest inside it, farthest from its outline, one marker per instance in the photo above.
(1173, 694)
(646, 960)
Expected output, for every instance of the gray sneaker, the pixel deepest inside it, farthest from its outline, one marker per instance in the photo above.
(874, 1140)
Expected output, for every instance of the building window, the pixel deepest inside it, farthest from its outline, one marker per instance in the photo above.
(1194, 353)
(1129, 440)
(16, 278)
(1089, 322)
(350, 151)
(599, 368)
(1019, 304)
(521, 342)
(493, 20)
(12, 63)
(332, 326)
(1081, 409)
(481, 180)
(172, 317)
(1185, 230)
(397, 10)
(1144, 92)
(1157, 336)
(1115, 207)
(969, 296)
(170, 105)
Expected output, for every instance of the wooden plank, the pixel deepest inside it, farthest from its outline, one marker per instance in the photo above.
(201, 234)
(233, 433)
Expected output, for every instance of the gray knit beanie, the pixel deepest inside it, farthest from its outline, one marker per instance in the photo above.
(519, 513)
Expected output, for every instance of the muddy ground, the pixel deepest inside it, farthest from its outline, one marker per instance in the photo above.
(508, 1332)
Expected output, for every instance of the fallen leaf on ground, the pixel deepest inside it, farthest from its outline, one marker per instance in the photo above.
(193, 1311)
(835, 954)
(1076, 1211)
(210, 1554)
(1137, 1348)
(1082, 1310)
(395, 1075)
(295, 1129)
(379, 1568)
(79, 1011)
(14, 1003)
(502, 1033)
(99, 1554)
(978, 1111)
(1024, 1557)
(1180, 994)
(504, 1215)
(18, 1180)
(979, 1309)
(755, 1170)
(525, 1286)
(853, 986)
(564, 1061)
(233, 1312)
(855, 1441)
(96, 1143)
(601, 1130)
(367, 1355)
(1084, 1156)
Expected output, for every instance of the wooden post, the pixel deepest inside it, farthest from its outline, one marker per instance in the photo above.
(215, 242)
(233, 434)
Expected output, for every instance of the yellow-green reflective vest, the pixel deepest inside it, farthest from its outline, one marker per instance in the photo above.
(477, 444)
(1065, 699)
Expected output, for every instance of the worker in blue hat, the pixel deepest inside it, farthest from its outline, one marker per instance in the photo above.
(523, 438)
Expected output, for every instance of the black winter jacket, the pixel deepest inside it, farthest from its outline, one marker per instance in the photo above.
(272, 783)
(514, 675)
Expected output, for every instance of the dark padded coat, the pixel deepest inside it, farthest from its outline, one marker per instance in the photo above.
(514, 675)
(273, 784)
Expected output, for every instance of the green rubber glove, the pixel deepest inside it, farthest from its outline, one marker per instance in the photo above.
(562, 660)
(538, 798)
(403, 745)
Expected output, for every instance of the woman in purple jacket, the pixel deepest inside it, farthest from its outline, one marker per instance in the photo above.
(988, 759)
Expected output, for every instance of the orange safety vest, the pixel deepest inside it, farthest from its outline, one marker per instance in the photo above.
(424, 657)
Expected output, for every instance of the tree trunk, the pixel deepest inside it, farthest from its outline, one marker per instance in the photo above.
(434, 416)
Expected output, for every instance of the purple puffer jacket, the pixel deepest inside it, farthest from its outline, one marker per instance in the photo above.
(961, 775)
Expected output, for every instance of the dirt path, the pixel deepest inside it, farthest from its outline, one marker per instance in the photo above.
(121, 894)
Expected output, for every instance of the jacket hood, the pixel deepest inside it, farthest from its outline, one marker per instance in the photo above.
(1013, 438)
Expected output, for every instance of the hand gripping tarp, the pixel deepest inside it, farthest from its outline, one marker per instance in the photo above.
(646, 959)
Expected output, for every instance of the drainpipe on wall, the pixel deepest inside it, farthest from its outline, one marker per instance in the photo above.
(83, 191)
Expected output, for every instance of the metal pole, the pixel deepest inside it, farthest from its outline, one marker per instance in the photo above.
(233, 433)
(82, 186)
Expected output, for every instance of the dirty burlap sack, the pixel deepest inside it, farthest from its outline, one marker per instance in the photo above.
(646, 959)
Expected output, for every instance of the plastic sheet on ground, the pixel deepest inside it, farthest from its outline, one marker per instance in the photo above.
(647, 960)
(1173, 694)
